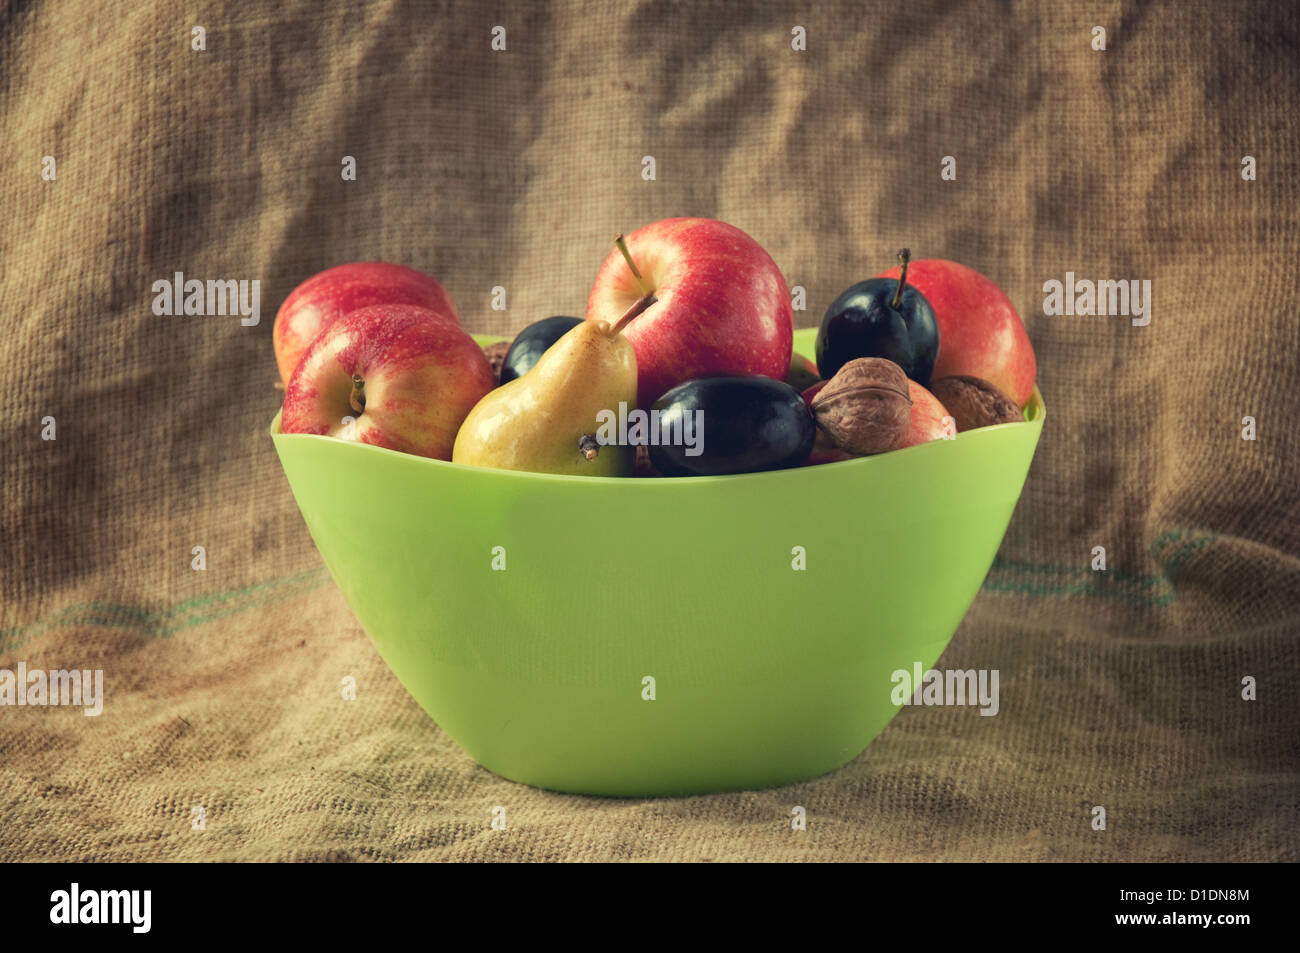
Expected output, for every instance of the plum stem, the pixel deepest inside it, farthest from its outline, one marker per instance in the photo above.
(904, 257)
(627, 256)
(637, 307)
(357, 399)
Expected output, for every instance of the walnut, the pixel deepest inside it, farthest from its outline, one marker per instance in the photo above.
(496, 357)
(865, 408)
(975, 403)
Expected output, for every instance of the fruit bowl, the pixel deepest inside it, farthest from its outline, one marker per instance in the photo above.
(645, 637)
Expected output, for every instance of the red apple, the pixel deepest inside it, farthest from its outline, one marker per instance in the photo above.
(394, 376)
(980, 333)
(722, 304)
(325, 297)
(928, 415)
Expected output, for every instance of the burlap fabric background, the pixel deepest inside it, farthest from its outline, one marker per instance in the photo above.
(515, 168)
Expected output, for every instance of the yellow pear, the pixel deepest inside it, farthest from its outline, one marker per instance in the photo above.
(547, 420)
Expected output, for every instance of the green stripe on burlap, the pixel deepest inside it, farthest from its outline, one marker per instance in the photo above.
(165, 622)
(1171, 550)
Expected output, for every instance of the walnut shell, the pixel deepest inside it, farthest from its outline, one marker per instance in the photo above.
(496, 357)
(865, 408)
(975, 403)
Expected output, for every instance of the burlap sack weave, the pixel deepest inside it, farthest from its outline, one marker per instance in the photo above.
(515, 168)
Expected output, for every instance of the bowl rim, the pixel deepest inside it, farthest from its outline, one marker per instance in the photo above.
(1035, 414)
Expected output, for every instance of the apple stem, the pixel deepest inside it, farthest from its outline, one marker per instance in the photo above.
(627, 256)
(904, 257)
(640, 305)
(357, 399)
(588, 446)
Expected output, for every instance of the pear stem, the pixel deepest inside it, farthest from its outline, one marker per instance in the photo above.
(640, 305)
(904, 258)
(357, 399)
(627, 256)
(588, 446)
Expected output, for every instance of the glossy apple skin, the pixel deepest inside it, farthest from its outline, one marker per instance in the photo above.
(423, 374)
(926, 423)
(329, 295)
(980, 332)
(723, 307)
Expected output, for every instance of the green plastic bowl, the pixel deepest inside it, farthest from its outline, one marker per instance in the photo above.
(763, 674)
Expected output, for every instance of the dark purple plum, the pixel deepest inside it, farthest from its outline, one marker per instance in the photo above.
(746, 424)
(880, 317)
(531, 343)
